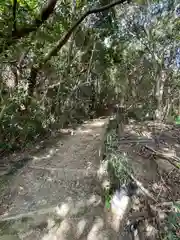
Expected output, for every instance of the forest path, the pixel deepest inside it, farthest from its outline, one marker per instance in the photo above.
(57, 194)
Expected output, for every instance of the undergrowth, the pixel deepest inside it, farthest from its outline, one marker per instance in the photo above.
(118, 165)
(173, 224)
(119, 171)
(21, 127)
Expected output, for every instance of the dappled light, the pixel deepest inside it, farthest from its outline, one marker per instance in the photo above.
(80, 228)
(151, 232)
(49, 154)
(90, 120)
(81, 131)
(51, 189)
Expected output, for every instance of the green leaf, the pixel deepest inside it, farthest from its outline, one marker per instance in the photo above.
(108, 203)
(177, 120)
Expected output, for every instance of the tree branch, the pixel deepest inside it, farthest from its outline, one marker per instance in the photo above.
(65, 38)
(14, 15)
(53, 52)
(46, 11)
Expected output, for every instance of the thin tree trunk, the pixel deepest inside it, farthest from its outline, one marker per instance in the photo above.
(159, 95)
(168, 105)
(31, 84)
(179, 103)
(72, 38)
(16, 73)
(93, 87)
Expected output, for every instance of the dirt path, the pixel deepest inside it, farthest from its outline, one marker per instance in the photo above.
(57, 195)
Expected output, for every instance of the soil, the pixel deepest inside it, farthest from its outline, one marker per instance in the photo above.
(154, 152)
(55, 194)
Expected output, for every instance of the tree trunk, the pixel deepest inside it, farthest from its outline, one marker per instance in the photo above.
(159, 95)
(179, 103)
(16, 73)
(71, 39)
(31, 84)
(168, 105)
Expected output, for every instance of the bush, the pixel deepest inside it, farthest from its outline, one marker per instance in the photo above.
(20, 126)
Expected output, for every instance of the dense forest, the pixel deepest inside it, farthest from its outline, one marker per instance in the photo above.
(64, 61)
(89, 119)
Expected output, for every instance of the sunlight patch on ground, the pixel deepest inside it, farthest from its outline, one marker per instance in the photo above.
(63, 210)
(63, 230)
(131, 130)
(119, 209)
(169, 152)
(71, 229)
(71, 208)
(96, 229)
(50, 153)
(151, 232)
(81, 225)
(95, 123)
(99, 123)
(102, 171)
(83, 131)
(50, 223)
(147, 134)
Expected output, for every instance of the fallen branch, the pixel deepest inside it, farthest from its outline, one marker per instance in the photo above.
(138, 216)
(74, 209)
(71, 172)
(29, 214)
(139, 184)
(168, 158)
(167, 204)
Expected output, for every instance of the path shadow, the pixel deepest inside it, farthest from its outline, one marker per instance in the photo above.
(84, 220)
